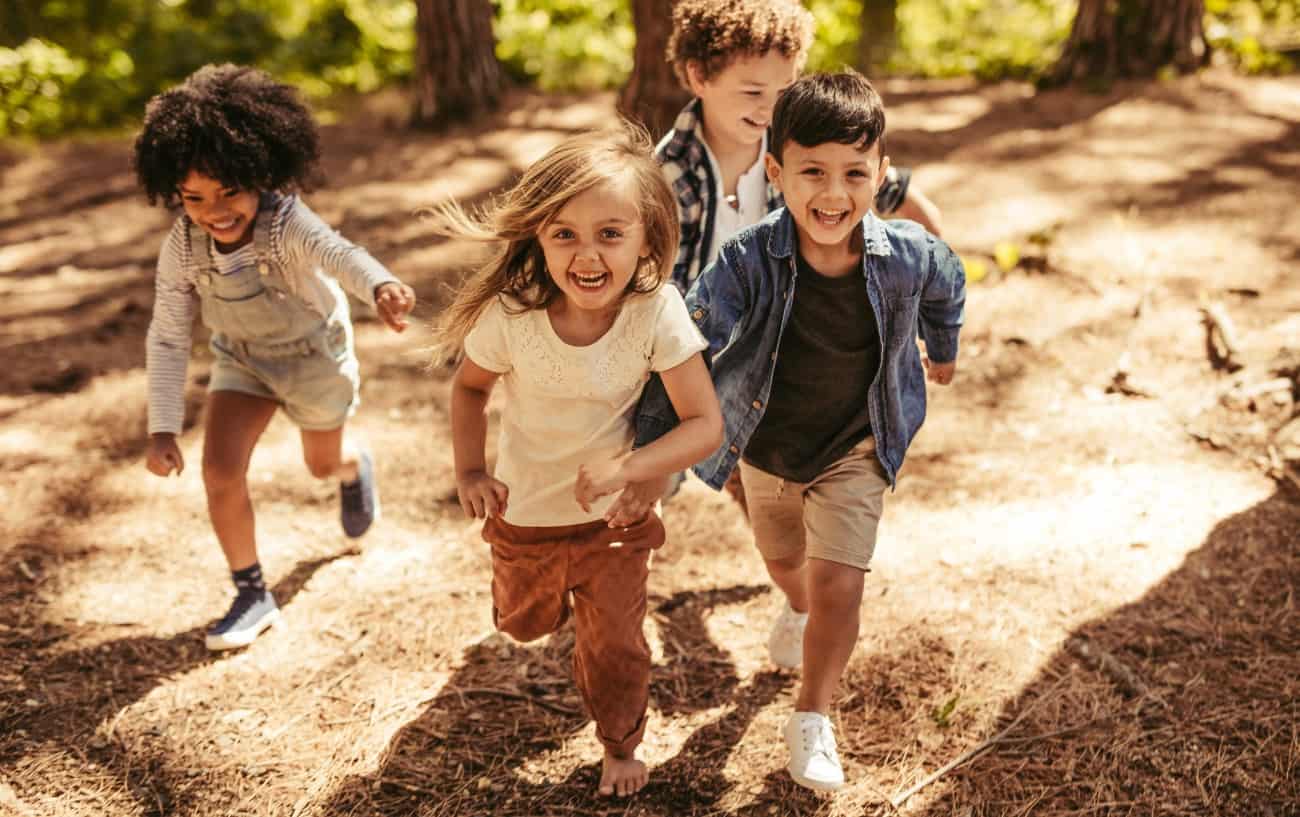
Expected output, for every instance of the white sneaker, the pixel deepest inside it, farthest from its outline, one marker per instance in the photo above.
(250, 613)
(785, 645)
(814, 763)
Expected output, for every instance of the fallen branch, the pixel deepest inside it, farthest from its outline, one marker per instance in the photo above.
(1114, 669)
(1119, 381)
(1242, 394)
(1220, 336)
(969, 755)
(519, 696)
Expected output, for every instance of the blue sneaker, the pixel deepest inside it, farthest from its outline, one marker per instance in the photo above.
(359, 499)
(250, 614)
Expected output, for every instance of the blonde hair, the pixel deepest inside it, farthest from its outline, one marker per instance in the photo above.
(516, 266)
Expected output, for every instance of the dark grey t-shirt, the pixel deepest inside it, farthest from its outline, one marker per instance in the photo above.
(829, 354)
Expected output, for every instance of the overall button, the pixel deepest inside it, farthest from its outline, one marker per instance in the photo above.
(733, 449)
(697, 314)
(263, 268)
(758, 404)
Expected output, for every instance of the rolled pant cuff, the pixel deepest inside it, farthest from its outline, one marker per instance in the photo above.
(627, 746)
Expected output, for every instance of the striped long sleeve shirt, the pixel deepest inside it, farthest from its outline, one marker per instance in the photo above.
(308, 251)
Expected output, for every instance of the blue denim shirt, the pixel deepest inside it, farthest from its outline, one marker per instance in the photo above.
(915, 284)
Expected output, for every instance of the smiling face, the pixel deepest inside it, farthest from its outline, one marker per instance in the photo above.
(224, 213)
(828, 188)
(593, 245)
(738, 99)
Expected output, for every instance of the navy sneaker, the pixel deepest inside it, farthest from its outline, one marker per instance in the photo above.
(359, 499)
(250, 614)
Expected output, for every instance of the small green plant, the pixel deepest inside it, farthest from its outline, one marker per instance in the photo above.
(943, 714)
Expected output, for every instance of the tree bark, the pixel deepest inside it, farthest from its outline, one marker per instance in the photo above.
(877, 35)
(652, 94)
(1133, 38)
(457, 76)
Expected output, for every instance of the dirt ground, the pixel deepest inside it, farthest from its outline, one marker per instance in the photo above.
(1092, 588)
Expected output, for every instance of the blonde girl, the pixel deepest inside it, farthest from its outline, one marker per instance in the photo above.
(571, 315)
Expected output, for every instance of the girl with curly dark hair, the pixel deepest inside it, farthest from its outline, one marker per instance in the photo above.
(230, 145)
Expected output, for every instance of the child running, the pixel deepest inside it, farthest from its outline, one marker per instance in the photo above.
(572, 315)
(812, 318)
(735, 57)
(229, 144)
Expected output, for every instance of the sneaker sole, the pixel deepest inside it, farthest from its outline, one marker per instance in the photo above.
(233, 641)
(816, 785)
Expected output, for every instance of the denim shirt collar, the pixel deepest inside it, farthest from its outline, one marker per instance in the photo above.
(781, 242)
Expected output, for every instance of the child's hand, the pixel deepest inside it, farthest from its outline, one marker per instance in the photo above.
(394, 301)
(482, 496)
(599, 479)
(941, 373)
(635, 502)
(163, 455)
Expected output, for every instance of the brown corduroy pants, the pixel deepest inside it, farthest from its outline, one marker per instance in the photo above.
(541, 575)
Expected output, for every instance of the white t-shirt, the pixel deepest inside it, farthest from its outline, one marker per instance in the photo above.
(570, 405)
(751, 200)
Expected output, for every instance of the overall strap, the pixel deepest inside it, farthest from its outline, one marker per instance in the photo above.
(200, 252)
(267, 207)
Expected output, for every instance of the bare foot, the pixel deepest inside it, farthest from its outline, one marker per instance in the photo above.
(621, 775)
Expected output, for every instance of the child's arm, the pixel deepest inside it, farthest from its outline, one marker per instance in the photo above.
(697, 435)
(480, 494)
(918, 207)
(167, 354)
(308, 240)
(718, 300)
(942, 310)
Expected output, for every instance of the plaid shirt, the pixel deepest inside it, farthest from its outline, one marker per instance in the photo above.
(686, 166)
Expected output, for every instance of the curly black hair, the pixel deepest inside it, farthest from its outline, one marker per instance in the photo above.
(232, 123)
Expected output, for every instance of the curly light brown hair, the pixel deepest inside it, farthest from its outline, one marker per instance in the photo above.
(714, 33)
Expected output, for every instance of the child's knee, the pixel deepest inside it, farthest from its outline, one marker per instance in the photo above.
(222, 474)
(835, 586)
(528, 624)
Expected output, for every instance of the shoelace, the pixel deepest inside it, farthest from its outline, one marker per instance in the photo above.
(814, 740)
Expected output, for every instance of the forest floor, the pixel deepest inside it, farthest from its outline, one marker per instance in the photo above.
(1088, 580)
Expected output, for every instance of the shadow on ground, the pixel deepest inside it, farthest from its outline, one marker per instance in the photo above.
(1184, 702)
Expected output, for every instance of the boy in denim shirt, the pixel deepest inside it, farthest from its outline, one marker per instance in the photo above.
(812, 317)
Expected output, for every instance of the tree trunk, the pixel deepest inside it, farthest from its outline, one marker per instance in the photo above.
(1133, 38)
(877, 35)
(457, 76)
(652, 94)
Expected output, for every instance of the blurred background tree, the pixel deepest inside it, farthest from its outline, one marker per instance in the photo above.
(68, 65)
(1127, 39)
(457, 75)
(652, 93)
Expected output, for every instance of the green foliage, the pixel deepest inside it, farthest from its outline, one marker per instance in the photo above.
(564, 45)
(1253, 33)
(70, 64)
(988, 39)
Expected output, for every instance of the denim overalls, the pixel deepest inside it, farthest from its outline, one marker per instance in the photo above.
(269, 342)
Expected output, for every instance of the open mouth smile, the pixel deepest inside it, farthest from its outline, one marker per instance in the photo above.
(829, 218)
(589, 280)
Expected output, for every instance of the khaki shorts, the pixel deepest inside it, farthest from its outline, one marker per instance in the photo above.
(317, 381)
(834, 517)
